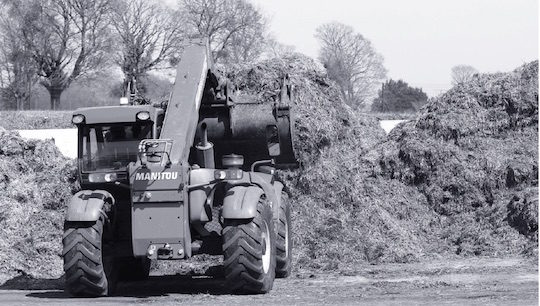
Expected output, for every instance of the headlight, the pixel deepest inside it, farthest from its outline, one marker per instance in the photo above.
(229, 174)
(110, 177)
(77, 119)
(102, 177)
(143, 115)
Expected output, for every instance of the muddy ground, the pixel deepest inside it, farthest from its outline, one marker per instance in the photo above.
(477, 281)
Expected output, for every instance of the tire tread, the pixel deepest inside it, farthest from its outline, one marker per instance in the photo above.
(82, 249)
(283, 256)
(242, 251)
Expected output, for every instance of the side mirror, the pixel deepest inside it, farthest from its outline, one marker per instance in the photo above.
(272, 141)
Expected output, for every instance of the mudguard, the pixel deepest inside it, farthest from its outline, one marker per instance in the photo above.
(241, 202)
(199, 209)
(278, 187)
(86, 205)
(271, 190)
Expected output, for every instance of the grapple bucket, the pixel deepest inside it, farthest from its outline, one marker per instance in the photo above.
(258, 131)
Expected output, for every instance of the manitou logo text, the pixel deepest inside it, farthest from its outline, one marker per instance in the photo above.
(156, 176)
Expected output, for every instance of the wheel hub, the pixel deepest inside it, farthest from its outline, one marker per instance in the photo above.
(266, 251)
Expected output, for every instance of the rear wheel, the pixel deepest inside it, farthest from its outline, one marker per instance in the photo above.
(283, 239)
(88, 273)
(249, 252)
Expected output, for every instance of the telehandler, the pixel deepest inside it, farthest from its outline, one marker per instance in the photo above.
(192, 176)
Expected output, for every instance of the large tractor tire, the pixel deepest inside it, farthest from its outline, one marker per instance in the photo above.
(283, 239)
(134, 269)
(88, 272)
(250, 253)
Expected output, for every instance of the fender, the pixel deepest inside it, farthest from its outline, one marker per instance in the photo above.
(278, 187)
(87, 205)
(264, 181)
(199, 209)
(240, 202)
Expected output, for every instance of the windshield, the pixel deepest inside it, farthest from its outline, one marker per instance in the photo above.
(112, 147)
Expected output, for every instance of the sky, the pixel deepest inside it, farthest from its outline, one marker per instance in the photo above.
(420, 40)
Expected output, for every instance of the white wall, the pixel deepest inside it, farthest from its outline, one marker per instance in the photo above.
(66, 139)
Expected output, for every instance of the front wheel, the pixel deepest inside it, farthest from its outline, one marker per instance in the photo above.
(88, 273)
(249, 252)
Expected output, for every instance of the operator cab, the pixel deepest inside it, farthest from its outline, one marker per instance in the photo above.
(112, 147)
(109, 138)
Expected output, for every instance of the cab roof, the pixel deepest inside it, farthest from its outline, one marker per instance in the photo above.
(115, 114)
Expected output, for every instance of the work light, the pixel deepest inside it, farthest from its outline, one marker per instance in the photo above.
(143, 116)
(77, 119)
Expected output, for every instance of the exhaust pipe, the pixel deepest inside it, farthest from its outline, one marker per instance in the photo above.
(205, 150)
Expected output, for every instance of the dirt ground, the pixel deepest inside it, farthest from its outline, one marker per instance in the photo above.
(477, 281)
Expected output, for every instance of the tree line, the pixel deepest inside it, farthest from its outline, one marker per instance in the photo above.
(56, 43)
(398, 97)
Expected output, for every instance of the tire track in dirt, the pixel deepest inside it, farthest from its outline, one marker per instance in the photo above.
(455, 282)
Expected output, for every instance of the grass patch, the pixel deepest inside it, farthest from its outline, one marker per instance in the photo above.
(31, 120)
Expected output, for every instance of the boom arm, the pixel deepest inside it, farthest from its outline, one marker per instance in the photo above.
(182, 112)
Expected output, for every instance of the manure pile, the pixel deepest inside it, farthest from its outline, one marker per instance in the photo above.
(342, 212)
(36, 181)
(473, 154)
(459, 180)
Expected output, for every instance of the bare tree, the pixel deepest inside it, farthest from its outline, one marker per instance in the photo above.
(68, 39)
(149, 34)
(462, 74)
(246, 45)
(274, 48)
(351, 61)
(234, 28)
(18, 72)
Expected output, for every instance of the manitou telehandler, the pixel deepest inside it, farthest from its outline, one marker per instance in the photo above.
(191, 176)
